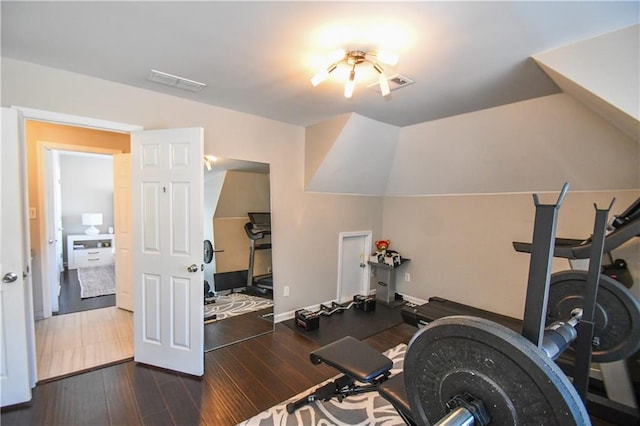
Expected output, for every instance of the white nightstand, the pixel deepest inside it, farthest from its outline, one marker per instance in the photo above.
(89, 250)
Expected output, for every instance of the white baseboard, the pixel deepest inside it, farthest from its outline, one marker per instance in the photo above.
(288, 315)
(413, 300)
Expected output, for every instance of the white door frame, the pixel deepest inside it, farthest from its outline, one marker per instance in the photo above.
(365, 284)
(71, 120)
(46, 188)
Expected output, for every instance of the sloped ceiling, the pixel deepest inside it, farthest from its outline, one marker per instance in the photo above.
(258, 56)
(602, 73)
(355, 160)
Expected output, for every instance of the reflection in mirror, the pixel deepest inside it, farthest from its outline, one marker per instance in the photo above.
(238, 288)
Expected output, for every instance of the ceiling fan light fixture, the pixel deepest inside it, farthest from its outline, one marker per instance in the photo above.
(354, 58)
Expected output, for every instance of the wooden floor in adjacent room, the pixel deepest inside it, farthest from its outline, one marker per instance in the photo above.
(82, 340)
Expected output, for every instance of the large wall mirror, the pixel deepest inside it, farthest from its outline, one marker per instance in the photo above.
(238, 287)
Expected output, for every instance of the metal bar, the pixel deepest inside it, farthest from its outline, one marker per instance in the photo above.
(542, 247)
(252, 252)
(583, 347)
(458, 417)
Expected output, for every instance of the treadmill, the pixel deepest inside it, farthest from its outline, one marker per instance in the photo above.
(258, 230)
(622, 227)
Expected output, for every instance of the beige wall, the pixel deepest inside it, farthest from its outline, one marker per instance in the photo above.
(242, 192)
(72, 138)
(528, 146)
(305, 226)
(461, 246)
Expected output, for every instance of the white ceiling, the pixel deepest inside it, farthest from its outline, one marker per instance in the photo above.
(258, 57)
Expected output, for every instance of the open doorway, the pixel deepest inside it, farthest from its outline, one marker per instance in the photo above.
(85, 215)
(70, 174)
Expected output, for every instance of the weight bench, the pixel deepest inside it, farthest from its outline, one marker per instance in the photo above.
(442, 379)
(363, 370)
(358, 362)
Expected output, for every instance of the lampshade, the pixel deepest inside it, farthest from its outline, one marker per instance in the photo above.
(92, 219)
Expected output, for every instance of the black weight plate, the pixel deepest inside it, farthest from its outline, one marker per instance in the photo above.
(517, 382)
(208, 252)
(617, 314)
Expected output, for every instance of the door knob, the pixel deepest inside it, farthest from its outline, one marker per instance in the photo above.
(192, 268)
(9, 277)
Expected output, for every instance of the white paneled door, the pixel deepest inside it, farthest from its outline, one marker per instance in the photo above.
(123, 232)
(353, 269)
(14, 313)
(167, 197)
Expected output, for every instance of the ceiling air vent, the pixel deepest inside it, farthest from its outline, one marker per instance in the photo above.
(396, 81)
(175, 81)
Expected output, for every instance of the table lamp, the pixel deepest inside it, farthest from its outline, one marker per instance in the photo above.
(92, 219)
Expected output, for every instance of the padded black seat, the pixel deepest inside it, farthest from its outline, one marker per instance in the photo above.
(357, 361)
(353, 358)
(393, 390)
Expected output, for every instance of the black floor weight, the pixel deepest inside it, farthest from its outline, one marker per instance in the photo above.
(208, 252)
(617, 314)
(517, 383)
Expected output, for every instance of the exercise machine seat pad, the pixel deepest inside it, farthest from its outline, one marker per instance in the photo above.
(353, 358)
(393, 391)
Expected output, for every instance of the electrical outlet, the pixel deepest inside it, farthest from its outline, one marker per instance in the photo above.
(407, 277)
(286, 291)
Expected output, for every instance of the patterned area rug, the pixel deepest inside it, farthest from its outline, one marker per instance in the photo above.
(364, 409)
(97, 281)
(234, 304)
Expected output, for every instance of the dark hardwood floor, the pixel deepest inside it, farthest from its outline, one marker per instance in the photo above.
(240, 381)
(69, 300)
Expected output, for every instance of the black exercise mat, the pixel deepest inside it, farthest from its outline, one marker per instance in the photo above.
(353, 322)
